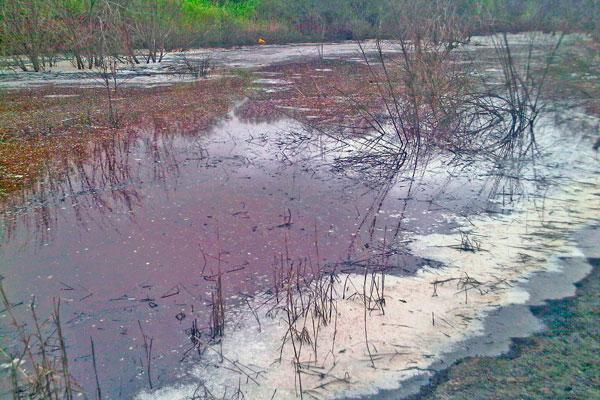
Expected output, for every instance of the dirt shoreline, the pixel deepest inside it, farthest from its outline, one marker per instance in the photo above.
(502, 339)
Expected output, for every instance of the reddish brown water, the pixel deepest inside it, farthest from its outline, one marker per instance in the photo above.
(134, 232)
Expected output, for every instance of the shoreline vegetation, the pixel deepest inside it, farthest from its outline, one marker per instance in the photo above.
(105, 36)
(35, 34)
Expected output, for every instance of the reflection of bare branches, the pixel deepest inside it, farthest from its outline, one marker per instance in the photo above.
(100, 179)
(258, 111)
(516, 105)
(427, 97)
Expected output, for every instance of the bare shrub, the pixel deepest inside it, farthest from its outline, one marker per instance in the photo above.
(40, 368)
(423, 91)
(29, 33)
(517, 103)
(197, 68)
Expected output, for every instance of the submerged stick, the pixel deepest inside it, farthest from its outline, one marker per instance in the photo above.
(98, 390)
(63, 350)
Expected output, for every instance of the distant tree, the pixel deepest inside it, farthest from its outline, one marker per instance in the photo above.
(35, 32)
(29, 33)
(154, 22)
(79, 25)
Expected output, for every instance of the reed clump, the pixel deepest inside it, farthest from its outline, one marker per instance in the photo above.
(38, 367)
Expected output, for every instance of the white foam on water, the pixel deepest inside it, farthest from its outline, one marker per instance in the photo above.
(426, 315)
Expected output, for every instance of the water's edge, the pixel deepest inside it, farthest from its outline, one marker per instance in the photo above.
(504, 325)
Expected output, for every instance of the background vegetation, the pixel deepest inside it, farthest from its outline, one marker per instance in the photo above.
(36, 32)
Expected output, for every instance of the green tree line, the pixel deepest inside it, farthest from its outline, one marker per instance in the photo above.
(35, 32)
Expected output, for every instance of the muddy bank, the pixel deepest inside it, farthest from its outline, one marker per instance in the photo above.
(44, 130)
(504, 325)
(556, 363)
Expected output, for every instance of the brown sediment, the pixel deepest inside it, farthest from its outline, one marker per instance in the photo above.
(49, 123)
(39, 126)
(318, 93)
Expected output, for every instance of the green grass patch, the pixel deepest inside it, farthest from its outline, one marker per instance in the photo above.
(560, 363)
